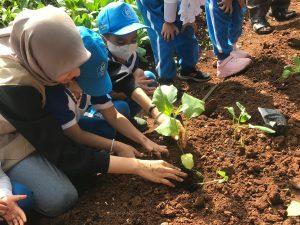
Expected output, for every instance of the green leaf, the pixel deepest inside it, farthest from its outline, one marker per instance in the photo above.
(169, 127)
(164, 97)
(223, 175)
(293, 209)
(187, 161)
(231, 111)
(296, 61)
(191, 106)
(262, 128)
(244, 116)
(141, 52)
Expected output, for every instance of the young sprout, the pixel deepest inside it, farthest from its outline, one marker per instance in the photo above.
(239, 122)
(291, 70)
(222, 174)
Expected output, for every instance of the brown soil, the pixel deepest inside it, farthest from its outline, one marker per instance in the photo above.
(260, 185)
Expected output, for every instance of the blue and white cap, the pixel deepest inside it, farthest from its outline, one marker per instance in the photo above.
(94, 79)
(118, 18)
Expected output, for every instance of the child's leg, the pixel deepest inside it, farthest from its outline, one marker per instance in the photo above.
(96, 124)
(19, 189)
(152, 12)
(187, 49)
(218, 25)
(236, 25)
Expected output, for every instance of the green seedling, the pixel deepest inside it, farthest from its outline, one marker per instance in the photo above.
(164, 98)
(239, 123)
(291, 70)
(224, 178)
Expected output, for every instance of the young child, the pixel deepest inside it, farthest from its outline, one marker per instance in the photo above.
(118, 24)
(14, 198)
(82, 123)
(167, 41)
(224, 21)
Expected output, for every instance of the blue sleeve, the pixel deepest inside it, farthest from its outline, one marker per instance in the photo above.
(57, 103)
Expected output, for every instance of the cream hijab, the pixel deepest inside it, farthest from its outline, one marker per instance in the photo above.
(47, 43)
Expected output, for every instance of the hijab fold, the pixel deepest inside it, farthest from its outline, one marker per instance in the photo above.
(47, 43)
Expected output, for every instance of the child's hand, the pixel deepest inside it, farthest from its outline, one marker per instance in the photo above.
(3, 208)
(127, 151)
(154, 148)
(169, 30)
(143, 81)
(14, 215)
(226, 6)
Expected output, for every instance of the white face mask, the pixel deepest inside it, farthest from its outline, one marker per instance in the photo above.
(123, 52)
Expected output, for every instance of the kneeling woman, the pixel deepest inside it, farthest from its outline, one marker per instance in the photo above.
(46, 47)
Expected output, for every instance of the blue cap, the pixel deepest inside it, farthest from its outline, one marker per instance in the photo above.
(118, 18)
(94, 79)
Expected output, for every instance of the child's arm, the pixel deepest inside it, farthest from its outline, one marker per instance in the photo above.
(169, 30)
(124, 126)
(95, 141)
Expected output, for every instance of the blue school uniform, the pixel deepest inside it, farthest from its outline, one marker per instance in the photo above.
(68, 111)
(224, 28)
(184, 46)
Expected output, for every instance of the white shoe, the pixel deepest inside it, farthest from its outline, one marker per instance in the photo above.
(232, 65)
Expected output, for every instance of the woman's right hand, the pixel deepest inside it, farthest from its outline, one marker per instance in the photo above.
(159, 171)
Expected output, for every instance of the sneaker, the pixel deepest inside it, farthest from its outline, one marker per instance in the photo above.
(232, 65)
(194, 75)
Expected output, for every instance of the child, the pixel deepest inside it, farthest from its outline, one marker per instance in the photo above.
(118, 23)
(81, 122)
(224, 21)
(10, 194)
(166, 41)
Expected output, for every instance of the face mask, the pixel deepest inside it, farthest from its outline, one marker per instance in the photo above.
(123, 52)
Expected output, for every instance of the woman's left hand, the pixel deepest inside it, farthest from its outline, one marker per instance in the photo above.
(154, 148)
(14, 215)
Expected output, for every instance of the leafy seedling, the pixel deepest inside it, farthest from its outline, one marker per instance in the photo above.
(239, 123)
(291, 70)
(222, 174)
(164, 98)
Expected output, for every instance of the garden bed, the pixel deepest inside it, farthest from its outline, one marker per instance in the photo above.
(259, 188)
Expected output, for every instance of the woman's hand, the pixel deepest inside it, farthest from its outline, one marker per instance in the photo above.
(154, 148)
(226, 6)
(159, 171)
(124, 150)
(169, 30)
(14, 214)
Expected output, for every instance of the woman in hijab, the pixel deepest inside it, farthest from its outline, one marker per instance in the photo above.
(47, 50)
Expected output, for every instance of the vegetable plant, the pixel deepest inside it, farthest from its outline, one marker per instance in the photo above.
(164, 98)
(223, 178)
(291, 70)
(240, 122)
